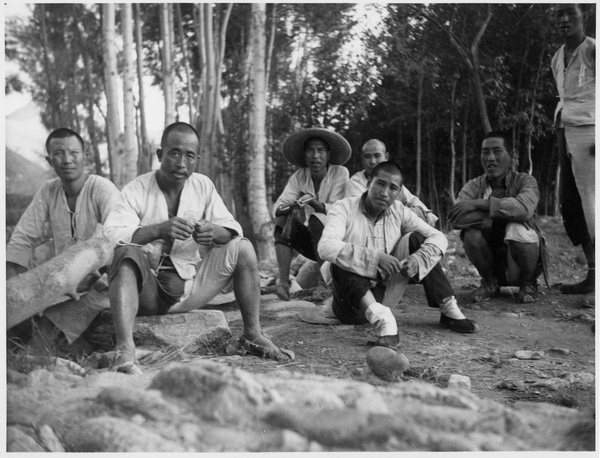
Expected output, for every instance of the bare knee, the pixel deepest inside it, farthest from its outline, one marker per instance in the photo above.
(247, 255)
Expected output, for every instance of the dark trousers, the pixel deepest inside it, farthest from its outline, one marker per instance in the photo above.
(299, 237)
(348, 288)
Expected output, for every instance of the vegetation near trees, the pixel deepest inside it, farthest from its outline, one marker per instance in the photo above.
(427, 79)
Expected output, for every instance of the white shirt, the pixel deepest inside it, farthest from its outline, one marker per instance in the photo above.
(144, 204)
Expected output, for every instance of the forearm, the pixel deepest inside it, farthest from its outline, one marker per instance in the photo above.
(14, 269)
(222, 235)
(147, 234)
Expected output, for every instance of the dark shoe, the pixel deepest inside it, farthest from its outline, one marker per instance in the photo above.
(277, 354)
(283, 290)
(464, 326)
(588, 301)
(388, 341)
(528, 293)
(486, 291)
(584, 287)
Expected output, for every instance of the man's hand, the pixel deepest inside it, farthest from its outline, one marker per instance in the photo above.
(409, 267)
(461, 209)
(388, 265)
(88, 281)
(204, 233)
(177, 228)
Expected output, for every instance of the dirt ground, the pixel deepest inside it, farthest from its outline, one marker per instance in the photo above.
(556, 327)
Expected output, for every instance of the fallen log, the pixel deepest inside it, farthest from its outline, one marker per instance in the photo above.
(56, 280)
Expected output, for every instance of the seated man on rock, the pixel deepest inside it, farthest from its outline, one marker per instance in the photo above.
(374, 245)
(373, 152)
(496, 215)
(178, 247)
(66, 210)
(301, 208)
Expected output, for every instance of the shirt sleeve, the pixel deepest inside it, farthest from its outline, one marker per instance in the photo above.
(353, 188)
(107, 199)
(123, 220)
(468, 192)
(519, 208)
(291, 192)
(217, 213)
(29, 231)
(338, 187)
(351, 257)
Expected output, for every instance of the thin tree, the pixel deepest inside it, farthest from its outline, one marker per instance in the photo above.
(144, 163)
(130, 153)
(167, 65)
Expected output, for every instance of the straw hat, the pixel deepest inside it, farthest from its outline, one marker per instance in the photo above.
(293, 146)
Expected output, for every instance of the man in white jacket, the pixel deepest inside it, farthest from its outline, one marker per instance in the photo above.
(373, 246)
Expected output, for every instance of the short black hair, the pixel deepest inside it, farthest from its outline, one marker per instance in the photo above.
(508, 143)
(177, 127)
(389, 167)
(316, 138)
(63, 132)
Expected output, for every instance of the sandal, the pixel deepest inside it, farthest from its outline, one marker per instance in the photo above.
(277, 354)
(127, 367)
(283, 290)
(528, 293)
(486, 291)
(388, 341)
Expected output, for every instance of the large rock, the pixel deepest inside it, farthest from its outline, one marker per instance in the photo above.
(198, 331)
(204, 406)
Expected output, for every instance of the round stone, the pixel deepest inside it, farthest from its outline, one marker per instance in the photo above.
(386, 363)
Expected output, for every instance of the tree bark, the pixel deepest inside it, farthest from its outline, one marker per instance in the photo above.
(186, 63)
(113, 118)
(144, 163)
(419, 131)
(167, 66)
(37, 289)
(257, 196)
(130, 154)
(452, 142)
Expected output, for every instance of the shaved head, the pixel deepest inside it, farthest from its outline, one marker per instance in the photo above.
(374, 145)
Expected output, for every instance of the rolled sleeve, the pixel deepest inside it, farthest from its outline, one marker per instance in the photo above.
(519, 208)
(291, 192)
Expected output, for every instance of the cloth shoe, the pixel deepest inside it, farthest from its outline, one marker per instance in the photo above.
(384, 321)
(464, 326)
(528, 293)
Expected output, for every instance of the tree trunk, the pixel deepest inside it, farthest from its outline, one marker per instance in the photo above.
(37, 289)
(262, 225)
(464, 146)
(167, 67)
(113, 118)
(419, 133)
(53, 101)
(452, 145)
(129, 171)
(144, 163)
(186, 63)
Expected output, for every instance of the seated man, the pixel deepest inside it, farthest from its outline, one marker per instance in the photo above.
(496, 215)
(71, 206)
(375, 246)
(303, 204)
(373, 152)
(178, 247)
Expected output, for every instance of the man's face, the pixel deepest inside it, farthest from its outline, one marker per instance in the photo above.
(67, 158)
(178, 156)
(495, 158)
(372, 155)
(383, 191)
(569, 19)
(316, 155)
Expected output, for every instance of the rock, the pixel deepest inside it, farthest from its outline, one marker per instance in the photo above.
(529, 354)
(560, 351)
(129, 400)
(323, 400)
(586, 318)
(293, 442)
(459, 381)
(386, 363)
(49, 439)
(19, 441)
(372, 403)
(198, 331)
(573, 380)
(308, 276)
(115, 435)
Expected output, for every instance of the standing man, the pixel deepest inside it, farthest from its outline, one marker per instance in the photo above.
(178, 248)
(373, 152)
(574, 69)
(496, 215)
(374, 246)
(71, 206)
(302, 206)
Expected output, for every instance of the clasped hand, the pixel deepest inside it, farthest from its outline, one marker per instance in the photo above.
(460, 209)
(389, 265)
(178, 228)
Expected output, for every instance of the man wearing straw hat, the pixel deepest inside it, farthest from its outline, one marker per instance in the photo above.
(302, 206)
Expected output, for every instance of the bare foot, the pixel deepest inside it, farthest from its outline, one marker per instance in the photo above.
(125, 362)
(263, 347)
